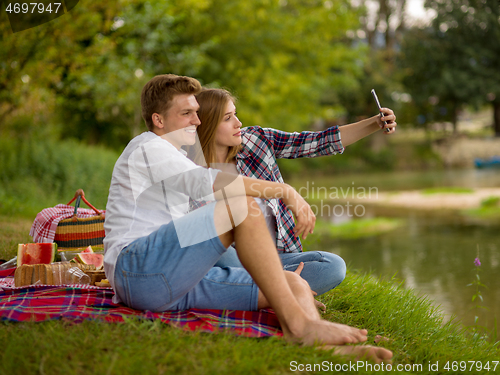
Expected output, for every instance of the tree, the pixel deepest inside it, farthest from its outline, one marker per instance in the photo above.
(278, 56)
(456, 61)
(386, 19)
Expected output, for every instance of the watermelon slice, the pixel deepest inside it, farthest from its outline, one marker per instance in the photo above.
(36, 253)
(88, 250)
(91, 258)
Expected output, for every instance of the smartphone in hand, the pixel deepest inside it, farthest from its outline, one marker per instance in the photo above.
(380, 109)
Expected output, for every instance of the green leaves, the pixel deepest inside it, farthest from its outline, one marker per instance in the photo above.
(455, 61)
(277, 57)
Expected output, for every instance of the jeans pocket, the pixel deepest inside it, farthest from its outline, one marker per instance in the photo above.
(147, 291)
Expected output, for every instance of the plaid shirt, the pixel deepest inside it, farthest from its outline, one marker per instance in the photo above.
(261, 148)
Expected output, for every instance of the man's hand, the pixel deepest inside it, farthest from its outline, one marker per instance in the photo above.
(304, 215)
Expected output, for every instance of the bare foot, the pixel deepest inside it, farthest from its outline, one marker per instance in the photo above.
(361, 352)
(323, 332)
(320, 306)
(379, 338)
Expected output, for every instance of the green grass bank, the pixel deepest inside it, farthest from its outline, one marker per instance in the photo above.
(415, 331)
(42, 173)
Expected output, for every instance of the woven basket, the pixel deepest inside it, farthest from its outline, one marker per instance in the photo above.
(78, 232)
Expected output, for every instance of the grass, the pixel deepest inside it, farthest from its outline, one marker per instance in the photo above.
(13, 231)
(359, 228)
(488, 210)
(35, 175)
(447, 190)
(415, 329)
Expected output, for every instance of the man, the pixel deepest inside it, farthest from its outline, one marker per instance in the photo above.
(159, 258)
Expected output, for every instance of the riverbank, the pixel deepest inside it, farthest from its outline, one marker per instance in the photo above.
(420, 340)
(417, 333)
(428, 199)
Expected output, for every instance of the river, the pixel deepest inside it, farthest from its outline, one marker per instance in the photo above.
(433, 253)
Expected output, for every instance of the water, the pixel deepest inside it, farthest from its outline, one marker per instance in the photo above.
(409, 180)
(433, 252)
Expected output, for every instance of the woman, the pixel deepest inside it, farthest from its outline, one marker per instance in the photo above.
(253, 151)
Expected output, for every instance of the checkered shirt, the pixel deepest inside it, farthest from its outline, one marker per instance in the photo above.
(261, 148)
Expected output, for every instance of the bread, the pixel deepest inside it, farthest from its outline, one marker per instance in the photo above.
(95, 276)
(103, 282)
(26, 276)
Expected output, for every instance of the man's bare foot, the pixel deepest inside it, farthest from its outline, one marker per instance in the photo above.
(361, 352)
(323, 332)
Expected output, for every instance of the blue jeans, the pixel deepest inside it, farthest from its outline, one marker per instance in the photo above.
(322, 270)
(156, 273)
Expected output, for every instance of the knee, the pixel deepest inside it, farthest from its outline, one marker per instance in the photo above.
(249, 210)
(336, 265)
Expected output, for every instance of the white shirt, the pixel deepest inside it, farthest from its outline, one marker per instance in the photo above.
(150, 186)
(268, 215)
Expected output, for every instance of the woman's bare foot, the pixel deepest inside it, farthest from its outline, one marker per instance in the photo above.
(323, 332)
(320, 306)
(361, 352)
(380, 338)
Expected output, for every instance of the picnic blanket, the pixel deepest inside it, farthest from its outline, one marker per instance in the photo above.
(81, 302)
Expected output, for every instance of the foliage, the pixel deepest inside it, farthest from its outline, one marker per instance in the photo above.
(490, 202)
(38, 172)
(477, 284)
(358, 228)
(489, 210)
(454, 62)
(448, 190)
(86, 69)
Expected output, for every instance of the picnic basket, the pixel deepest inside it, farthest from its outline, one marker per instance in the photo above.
(76, 232)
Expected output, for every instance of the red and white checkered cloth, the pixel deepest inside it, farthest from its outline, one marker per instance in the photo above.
(76, 303)
(45, 224)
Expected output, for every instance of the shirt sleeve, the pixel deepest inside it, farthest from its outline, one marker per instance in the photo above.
(305, 144)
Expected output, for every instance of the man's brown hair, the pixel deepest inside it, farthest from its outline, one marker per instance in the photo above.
(157, 94)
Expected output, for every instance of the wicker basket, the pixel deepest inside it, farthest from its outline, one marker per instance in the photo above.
(78, 232)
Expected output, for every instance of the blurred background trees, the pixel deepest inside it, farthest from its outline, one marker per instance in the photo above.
(455, 62)
(86, 70)
(293, 64)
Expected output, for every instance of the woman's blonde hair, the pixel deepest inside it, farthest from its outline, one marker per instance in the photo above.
(213, 104)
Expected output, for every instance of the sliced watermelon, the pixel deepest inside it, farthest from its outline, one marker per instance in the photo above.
(88, 250)
(36, 253)
(91, 258)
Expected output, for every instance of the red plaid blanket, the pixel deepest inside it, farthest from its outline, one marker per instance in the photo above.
(77, 303)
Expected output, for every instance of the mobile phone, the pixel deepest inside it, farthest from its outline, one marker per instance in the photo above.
(380, 109)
